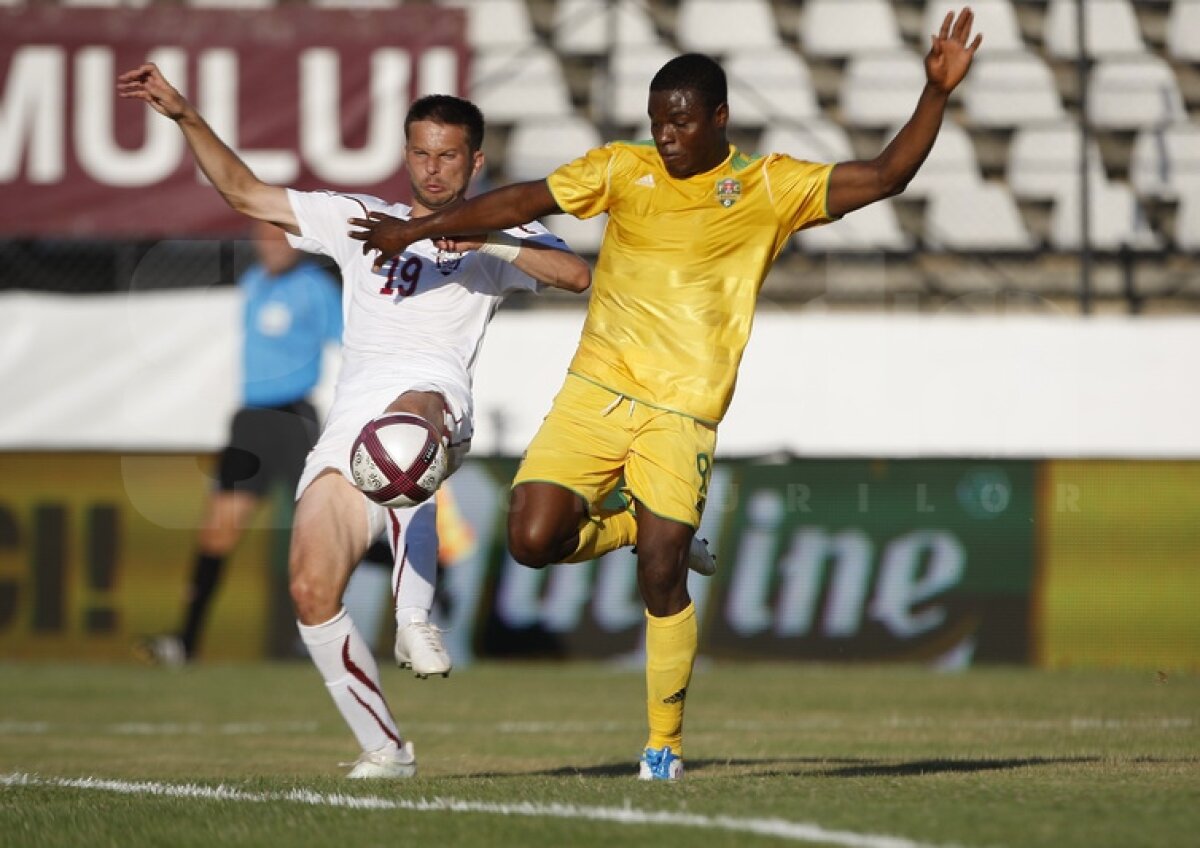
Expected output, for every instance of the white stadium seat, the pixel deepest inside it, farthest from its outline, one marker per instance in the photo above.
(721, 26)
(951, 163)
(632, 70)
(767, 85)
(1166, 161)
(835, 28)
(1116, 219)
(817, 140)
(537, 147)
(1043, 161)
(996, 19)
(1134, 92)
(1007, 89)
(879, 90)
(1183, 31)
(872, 228)
(511, 85)
(1110, 28)
(582, 236)
(981, 216)
(495, 23)
(583, 27)
(1187, 221)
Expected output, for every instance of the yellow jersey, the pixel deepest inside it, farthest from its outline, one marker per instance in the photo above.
(681, 266)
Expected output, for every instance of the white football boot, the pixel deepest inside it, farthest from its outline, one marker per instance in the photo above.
(419, 647)
(388, 763)
(700, 559)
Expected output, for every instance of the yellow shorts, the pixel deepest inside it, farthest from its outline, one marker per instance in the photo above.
(594, 438)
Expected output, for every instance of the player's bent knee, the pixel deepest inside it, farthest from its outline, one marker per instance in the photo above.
(535, 543)
(315, 600)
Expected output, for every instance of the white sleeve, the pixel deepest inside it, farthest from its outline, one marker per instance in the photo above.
(322, 216)
(512, 278)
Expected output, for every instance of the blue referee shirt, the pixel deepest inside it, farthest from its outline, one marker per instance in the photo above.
(289, 318)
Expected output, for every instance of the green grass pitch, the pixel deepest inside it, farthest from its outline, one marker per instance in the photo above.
(543, 754)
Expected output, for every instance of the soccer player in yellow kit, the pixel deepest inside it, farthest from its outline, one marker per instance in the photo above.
(694, 225)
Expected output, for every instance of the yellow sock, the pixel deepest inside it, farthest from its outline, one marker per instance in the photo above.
(670, 652)
(602, 534)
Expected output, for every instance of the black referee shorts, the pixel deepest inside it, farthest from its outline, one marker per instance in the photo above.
(267, 445)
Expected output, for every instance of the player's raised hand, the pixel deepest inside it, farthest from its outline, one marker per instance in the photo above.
(147, 83)
(382, 233)
(949, 57)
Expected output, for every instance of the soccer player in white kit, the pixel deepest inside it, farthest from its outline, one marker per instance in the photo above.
(412, 332)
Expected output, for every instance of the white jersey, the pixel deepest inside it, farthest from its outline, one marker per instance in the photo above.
(417, 324)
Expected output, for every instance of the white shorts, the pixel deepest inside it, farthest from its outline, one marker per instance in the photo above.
(352, 408)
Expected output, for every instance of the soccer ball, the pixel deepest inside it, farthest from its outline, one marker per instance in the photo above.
(398, 460)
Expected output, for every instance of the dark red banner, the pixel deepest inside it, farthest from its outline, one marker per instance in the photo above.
(310, 98)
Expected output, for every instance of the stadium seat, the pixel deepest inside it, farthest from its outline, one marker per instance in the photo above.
(537, 147)
(511, 85)
(1166, 161)
(981, 216)
(836, 28)
(951, 163)
(996, 19)
(1007, 89)
(872, 228)
(1183, 31)
(1134, 92)
(1111, 28)
(721, 26)
(879, 90)
(1043, 161)
(817, 140)
(769, 84)
(1187, 221)
(495, 23)
(632, 70)
(582, 27)
(1116, 219)
(582, 236)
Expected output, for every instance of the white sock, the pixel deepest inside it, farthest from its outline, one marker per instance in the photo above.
(352, 677)
(414, 572)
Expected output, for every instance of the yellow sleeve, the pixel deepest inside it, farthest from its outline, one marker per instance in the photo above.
(800, 191)
(583, 188)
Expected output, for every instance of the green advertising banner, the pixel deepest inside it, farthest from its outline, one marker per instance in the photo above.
(846, 560)
(828, 559)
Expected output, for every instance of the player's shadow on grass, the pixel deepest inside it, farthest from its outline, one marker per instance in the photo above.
(807, 767)
(915, 768)
(776, 765)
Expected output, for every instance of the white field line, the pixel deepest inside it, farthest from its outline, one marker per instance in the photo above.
(627, 815)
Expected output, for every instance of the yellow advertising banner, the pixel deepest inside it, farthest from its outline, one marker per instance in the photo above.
(96, 551)
(1120, 579)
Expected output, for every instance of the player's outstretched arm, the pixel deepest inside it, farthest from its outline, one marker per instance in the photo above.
(856, 184)
(499, 209)
(551, 266)
(242, 190)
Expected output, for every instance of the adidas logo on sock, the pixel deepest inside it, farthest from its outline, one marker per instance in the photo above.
(677, 697)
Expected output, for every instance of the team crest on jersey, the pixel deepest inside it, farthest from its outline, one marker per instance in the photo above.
(729, 191)
(448, 261)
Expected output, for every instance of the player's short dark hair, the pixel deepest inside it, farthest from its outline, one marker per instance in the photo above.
(451, 111)
(696, 72)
